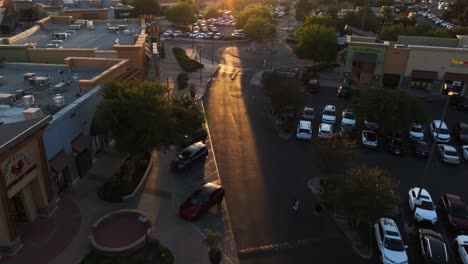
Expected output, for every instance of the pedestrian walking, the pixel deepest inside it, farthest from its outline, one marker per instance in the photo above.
(294, 207)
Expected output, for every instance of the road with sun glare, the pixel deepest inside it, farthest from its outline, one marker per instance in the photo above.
(263, 173)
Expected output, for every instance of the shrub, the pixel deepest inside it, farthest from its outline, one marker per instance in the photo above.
(187, 64)
(182, 80)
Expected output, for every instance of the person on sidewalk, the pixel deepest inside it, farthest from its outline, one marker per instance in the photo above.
(294, 207)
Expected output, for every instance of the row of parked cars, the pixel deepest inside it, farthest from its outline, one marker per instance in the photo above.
(451, 208)
(436, 20)
(438, 130)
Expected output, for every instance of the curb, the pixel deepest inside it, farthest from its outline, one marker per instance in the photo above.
(354, 245)
(142, 182)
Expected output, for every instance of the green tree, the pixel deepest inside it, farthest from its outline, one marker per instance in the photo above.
(392, 32)
(304, 8)
(455, 10)
(327, 21)
(258, 28)
(212, 12)
(388, 13)
(250, 11)
(284, 93)
(212, 241)
(332, 12)
(393, 110)
(316, 42)
(327, 153)
(463, 17)
(182, 13)
(371, 22)
(365, 194)
(146, 7)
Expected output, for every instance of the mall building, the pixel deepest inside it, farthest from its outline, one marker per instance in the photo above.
(419, 64)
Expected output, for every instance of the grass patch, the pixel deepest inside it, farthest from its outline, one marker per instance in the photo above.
(187, 64)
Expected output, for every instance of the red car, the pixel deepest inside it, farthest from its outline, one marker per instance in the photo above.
(201, 201)
(453, 208)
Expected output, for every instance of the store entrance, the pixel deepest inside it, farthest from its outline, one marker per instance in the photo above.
(17, 208)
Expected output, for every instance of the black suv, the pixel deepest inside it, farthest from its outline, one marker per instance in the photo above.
(198, 136)
(189, 155)
(433, 247)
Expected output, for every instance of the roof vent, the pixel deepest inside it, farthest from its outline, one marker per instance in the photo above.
(59, 100)
(32, 113)
(28, 100)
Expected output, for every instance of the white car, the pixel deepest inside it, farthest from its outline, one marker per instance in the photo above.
(348, 118)
(177, 33)
(204, 29)
(168, 33)
(214, 29)
(423, 207)
(462, 246)
(325, 130)
(329, 114)
(389, 242)
(443, 135)
(194, 34)
(465, 151)
(416, 131)
(369, 139)
(304, 130)
(448, 154)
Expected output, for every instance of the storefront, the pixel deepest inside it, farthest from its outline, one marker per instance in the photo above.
(83, 158)
(25, 188)
(423, 80)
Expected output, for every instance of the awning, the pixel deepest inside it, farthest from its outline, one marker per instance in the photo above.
(450, 76)
(80, 143)
(424, 75)
(365, 57)
(60, 161)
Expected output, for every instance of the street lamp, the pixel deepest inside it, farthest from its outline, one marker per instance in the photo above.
(146, 221)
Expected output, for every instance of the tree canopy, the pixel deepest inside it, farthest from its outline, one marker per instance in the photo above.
(365, 194)
(371, 22)
(250, 11)
(258, 28)
(182, 13)
(141, 117)
(212, 12)
(320, 20)
(388, 13)
(284, 93)
(304, 8)
(455, 11)
(316, 42)
(146, 7)
(393, 110)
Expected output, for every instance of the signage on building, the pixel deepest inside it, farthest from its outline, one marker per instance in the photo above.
(459, 62)
(16, 168)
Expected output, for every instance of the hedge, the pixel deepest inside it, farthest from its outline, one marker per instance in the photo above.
(185, 62)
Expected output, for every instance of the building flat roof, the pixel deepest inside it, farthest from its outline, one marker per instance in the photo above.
(11, 109)
(98, 38)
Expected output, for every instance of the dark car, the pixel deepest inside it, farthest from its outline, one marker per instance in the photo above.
(395, 145)
(433, 247)
(343, 91)
(199, 135)
(460, 132)
(189, 155)
(348, 133)
(453, 208)
(313, 86)
(201, 201)
(420, 148)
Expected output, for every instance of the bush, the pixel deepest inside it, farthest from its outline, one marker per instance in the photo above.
(182, 80)
(185, 62)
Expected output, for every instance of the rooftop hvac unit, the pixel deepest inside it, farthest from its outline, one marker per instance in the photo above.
(28, 100)
(32, 112)
(59, 100)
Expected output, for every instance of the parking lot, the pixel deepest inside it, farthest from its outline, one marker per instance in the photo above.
(408, 169)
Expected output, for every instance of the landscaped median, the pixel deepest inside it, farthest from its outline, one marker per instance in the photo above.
(187, 64)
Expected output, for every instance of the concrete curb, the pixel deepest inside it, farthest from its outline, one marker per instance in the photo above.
(142, 182)
(311, 184)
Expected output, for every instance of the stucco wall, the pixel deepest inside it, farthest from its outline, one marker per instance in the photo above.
(375, 48)
(436, 59)
(135, 53)
(56, 56)
(395, 60)
(14, 53)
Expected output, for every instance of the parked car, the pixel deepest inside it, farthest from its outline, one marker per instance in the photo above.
(462, 247)
(196, 136)
(460, 132)
(177, 33)
(304, 129)
(313, 85)
(343, 91)
(347, 132)
(194, 34)
(189, 155)
(348, 118)
(329, 114)
(238, 35)
(168, 33)
(420, 148)
(308, 113)
(389, 242)
(325, 130)
(423, 207)
(448, 154)
(369, 139)
(201, 201)
(465, 151)
(416, 131)
(453, 208)
(218, 36)
(439, 131)
(395, 145)
(433, 248)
